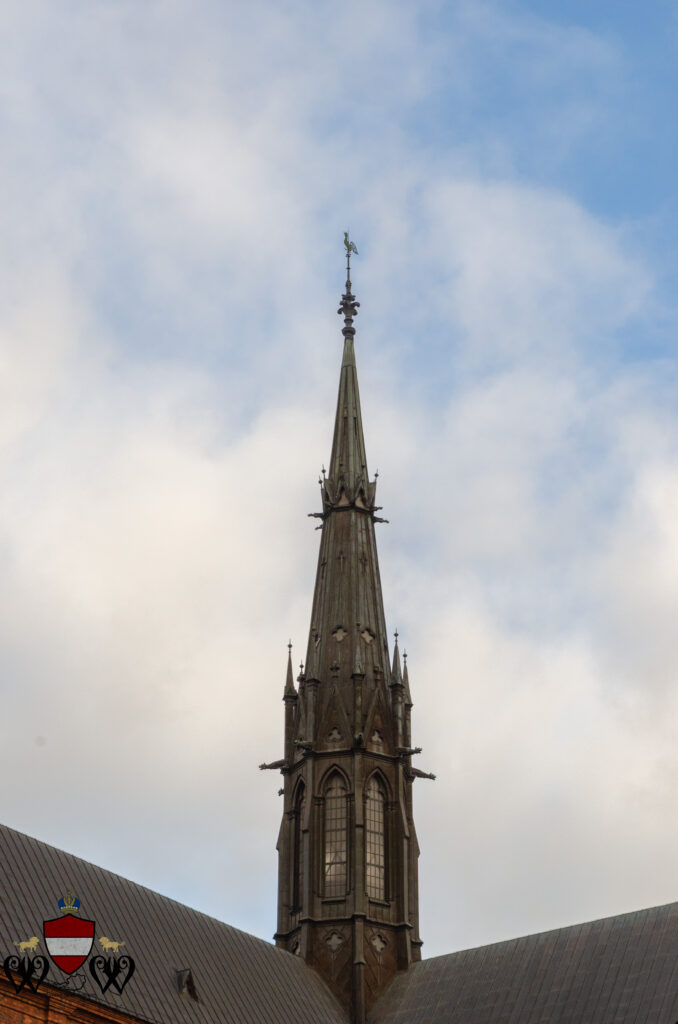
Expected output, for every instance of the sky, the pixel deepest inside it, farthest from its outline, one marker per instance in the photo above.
(175, 181)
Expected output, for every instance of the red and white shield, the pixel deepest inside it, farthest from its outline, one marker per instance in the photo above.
(69, 941)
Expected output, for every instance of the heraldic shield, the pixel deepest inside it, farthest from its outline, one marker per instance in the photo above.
(69, 940)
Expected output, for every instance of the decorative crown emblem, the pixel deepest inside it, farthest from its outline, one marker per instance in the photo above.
(69, 904)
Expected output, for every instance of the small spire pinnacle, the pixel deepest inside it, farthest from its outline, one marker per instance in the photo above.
(406, 681)
(289, 681)
(396, 674)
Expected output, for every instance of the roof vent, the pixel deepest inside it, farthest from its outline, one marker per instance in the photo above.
(186, 983)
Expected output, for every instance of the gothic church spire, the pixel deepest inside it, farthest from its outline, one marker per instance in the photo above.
(347, 896)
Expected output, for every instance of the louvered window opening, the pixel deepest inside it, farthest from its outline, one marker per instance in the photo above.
(375, 846)
(336, 845)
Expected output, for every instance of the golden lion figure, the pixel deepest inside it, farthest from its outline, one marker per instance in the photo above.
(29, 944)
(110, 945)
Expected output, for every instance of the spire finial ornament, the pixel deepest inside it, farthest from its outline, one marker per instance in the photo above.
(289, 681)
(349, 306)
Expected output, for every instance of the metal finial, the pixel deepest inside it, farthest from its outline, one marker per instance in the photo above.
(349, 306)
(289, 646)
(404, 655)
(396, 635)
(350, 247)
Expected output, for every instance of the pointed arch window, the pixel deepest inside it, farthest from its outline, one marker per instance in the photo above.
(375, 840)
(298, 866)
(335, 859)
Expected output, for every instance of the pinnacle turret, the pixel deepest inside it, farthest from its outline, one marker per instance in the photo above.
(396, 672)
(406, 682)
(289, 680)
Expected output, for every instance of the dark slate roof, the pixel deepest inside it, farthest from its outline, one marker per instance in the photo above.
(619, 970)
(238, 979)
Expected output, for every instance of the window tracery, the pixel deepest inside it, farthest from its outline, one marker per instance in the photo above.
(375, 840)
(335, 838)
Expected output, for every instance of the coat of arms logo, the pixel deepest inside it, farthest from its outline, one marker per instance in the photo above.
(68, 939)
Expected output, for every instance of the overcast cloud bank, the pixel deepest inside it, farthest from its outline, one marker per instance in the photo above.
(175, 185)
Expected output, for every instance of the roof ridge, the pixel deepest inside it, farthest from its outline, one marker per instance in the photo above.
(547, 931)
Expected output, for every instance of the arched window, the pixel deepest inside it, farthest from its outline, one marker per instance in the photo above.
(336, 845)
(298, 880)
(375, 840)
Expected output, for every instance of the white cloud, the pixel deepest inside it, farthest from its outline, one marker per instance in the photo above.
(531, 271)
(637, 589)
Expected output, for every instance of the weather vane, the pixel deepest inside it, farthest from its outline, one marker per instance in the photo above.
(350, 246)
(349, 305)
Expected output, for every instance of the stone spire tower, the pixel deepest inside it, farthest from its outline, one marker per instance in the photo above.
(347, 891)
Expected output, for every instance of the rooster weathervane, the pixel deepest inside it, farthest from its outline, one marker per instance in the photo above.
(350, 246)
